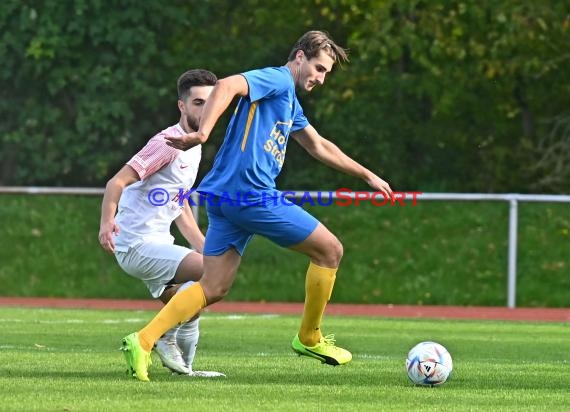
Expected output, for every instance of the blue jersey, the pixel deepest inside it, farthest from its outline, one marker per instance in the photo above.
(255, 143)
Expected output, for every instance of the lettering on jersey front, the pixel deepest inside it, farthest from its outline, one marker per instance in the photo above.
(277, 142)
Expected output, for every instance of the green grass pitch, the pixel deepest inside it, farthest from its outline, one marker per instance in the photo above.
(68, 360)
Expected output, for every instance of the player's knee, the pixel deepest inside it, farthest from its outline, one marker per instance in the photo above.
(220, 292)
(336, 252)
(330, 254)
(215, 293)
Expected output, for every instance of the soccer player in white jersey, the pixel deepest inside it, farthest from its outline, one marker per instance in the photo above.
(146, 192)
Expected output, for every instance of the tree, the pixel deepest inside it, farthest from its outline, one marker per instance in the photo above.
(80, 86)
(438, 96)
(453, 92)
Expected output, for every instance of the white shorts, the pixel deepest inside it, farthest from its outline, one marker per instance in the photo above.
(153, 263)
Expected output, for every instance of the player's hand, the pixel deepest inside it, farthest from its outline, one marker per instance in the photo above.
(106, 233)
(186, 141)
(379, 185)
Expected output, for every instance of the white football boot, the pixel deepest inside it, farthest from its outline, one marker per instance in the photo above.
(187, 339)
(170, 354)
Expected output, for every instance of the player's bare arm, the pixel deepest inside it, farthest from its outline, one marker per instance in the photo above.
(189, 228)
(330, 154)
(222, 95)
(113, 190)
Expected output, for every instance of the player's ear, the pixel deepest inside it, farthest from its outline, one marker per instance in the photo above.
(180, 105)
(300, 56)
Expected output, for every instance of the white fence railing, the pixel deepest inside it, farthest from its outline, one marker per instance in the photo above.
(512, 198)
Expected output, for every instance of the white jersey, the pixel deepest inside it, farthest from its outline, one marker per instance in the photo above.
(148, 207)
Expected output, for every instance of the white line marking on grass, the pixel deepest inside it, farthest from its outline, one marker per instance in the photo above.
(369, 356)
(127, 320)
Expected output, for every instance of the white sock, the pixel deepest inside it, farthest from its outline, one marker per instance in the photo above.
(187, 339)
(170, 335)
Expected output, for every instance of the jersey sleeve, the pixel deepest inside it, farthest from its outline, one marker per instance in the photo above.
(154, 156)
(266, 82)
(299, 121)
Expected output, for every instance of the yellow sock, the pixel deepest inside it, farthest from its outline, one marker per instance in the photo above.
(181, 307)
(318, 289)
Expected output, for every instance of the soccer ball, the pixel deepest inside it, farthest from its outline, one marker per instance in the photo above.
(429, 364)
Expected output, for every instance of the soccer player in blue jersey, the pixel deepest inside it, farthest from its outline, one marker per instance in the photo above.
(248, 161)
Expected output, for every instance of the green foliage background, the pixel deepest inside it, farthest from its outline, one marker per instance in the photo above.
(439, 95)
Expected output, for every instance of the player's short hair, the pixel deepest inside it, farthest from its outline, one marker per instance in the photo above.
(312, 42)
(194, 77)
